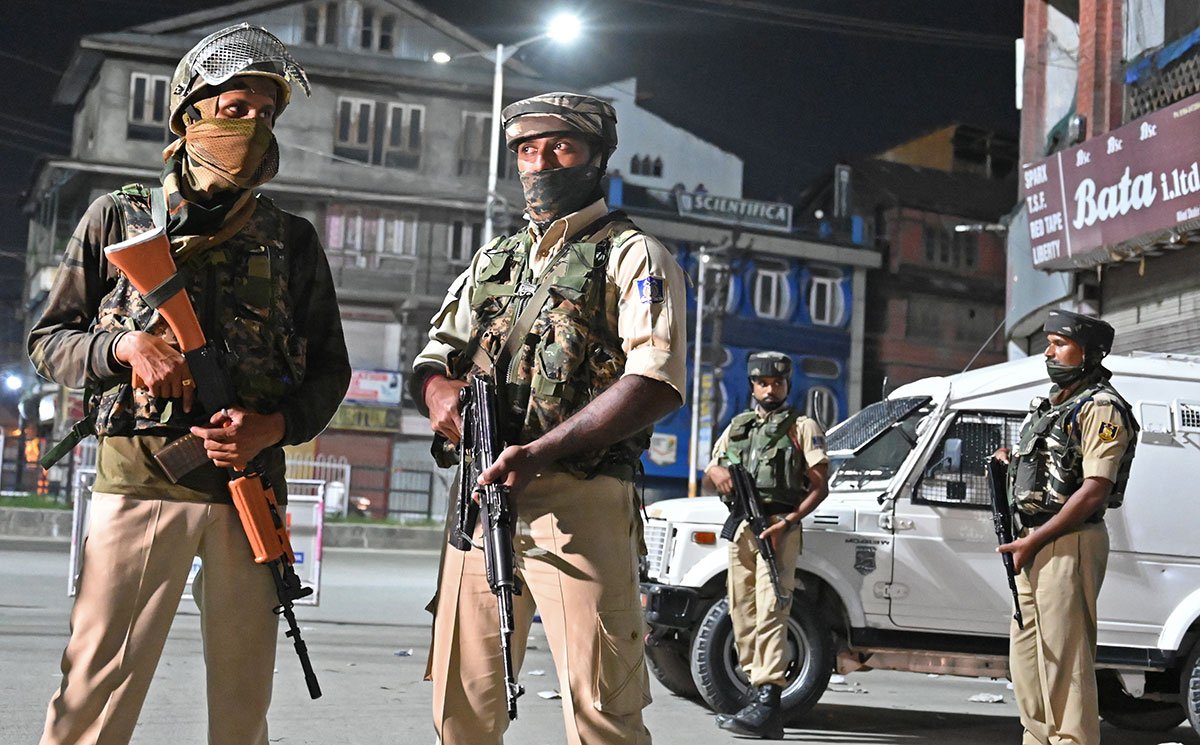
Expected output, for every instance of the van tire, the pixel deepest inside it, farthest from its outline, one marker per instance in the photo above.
(1120, 709)
(668, 662)
(723, 685)
(1189, 686)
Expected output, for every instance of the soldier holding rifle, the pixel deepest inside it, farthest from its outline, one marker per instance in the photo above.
(1071, 465)
(262, 291)
(783, 452)
(579, 319)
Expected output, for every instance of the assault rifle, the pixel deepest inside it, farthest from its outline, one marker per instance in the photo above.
(746, 507)
(478, 450)
(146, 261)
(1002, 519)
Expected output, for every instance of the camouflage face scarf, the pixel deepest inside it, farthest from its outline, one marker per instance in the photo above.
(558, 192)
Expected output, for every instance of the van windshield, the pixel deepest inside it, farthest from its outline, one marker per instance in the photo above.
(872, 444)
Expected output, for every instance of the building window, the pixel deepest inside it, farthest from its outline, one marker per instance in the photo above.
(657, 169)
(825, 304)
(378, 133)
(955, 250)
(321, 24)
(771, 293)
(378, 31)
(355, 127)
(148, 110)
(635, 166)
(465, 237)
(924, 318)
(473, 150)
(404, 127)
(820, 403)
(368, 237)
(820, 367)
(647, 165)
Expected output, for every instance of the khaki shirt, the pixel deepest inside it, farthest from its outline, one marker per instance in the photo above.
(805, 431)
(1103, 438)
(653, 329)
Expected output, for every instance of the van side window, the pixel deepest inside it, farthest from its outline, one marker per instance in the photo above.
(955, 476)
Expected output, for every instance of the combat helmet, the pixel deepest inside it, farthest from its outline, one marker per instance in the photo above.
(553, 113)
(233, 51)
(769, 365)
(1094, 335)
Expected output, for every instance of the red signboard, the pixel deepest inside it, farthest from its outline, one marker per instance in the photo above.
(375, 387)
(1129, 188)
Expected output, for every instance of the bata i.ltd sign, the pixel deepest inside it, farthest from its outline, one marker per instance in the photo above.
(1115, 194)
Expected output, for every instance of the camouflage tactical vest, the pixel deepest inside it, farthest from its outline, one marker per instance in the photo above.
(239, 290)
(765, 449)
(1048, 460)
(569, 355)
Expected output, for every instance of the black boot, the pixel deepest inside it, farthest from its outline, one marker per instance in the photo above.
(750, 697)
(764, 719)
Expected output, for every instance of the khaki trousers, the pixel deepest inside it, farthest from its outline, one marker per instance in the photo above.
(1053, 661)
(759, 619)
(136, 561)
(576, 554)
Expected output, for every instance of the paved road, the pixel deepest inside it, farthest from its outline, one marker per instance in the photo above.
(371, 609)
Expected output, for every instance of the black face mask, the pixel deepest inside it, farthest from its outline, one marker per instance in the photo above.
(558, 192)
(1064, 375)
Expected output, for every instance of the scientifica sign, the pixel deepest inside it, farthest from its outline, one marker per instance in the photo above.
(1131, 187)
(745, 212)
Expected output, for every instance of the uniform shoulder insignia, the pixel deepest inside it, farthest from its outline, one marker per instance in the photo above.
(818, 442)
(1107, 431)
(651, 290)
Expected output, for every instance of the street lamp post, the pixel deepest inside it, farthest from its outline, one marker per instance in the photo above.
(562, 28)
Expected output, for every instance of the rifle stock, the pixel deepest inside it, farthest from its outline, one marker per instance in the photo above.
(1002, 520)
(480, 446)
(746, 507)
(146, 261)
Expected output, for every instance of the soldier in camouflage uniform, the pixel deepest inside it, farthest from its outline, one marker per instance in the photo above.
(783, 451)
(261, 286)
(1070, 465)
(581, 384)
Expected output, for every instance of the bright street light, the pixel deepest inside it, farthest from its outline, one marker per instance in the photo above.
(563, 28)
(13, 382)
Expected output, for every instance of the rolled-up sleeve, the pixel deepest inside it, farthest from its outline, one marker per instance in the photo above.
(651, 310)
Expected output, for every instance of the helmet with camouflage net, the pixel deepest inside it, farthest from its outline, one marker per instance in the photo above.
(232, 52)
(553, 113)
(769, 365)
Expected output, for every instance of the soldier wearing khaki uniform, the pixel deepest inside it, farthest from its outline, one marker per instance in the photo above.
(783, 451)
(259, 281)
(1071, 464)
(580, 387)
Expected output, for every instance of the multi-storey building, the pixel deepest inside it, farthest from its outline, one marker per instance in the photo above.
(932, 207)
(1110, 212)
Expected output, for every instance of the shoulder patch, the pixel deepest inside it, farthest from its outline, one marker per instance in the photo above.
(1107, 431)
(818, 442)
(651, 290)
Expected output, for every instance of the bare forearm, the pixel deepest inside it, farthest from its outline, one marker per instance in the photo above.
(633, 403)
(819, 478)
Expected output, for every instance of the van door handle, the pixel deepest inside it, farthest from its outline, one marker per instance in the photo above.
(887, 522)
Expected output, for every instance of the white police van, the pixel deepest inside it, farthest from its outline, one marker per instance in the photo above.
(899, 569)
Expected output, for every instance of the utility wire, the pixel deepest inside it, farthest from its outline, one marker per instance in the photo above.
(32, 123)
(39, 65)
(32, 136)
(748, 10)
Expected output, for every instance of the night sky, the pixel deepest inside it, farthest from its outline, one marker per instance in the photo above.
(777, 82)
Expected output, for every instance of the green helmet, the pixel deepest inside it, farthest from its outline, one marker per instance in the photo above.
(769, 365)
(234, 51)
(551, 113)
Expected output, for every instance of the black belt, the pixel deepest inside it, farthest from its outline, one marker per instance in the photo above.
(1038, 519)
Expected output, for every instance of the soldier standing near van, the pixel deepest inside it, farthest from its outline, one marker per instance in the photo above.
(1071, 464)
(580, 388)
(783, 451)
(260, 284)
